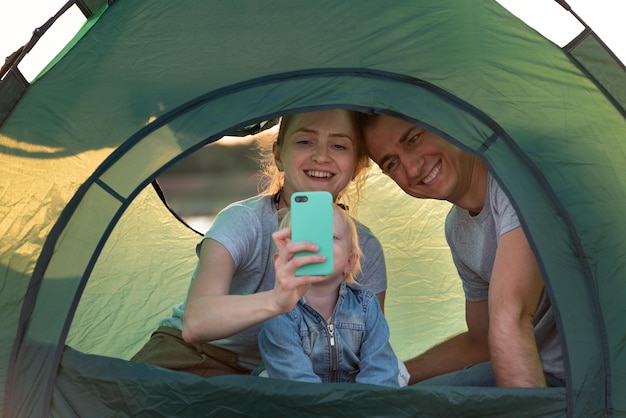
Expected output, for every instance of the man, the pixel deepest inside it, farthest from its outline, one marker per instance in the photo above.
(511, 338)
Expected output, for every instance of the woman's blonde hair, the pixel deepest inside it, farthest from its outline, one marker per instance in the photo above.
(351, 234)
(272, 179)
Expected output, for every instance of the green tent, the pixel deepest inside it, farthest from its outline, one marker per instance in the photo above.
(91, 258)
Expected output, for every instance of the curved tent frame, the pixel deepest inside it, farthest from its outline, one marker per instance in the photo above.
(128, 100)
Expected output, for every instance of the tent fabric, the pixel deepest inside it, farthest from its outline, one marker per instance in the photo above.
(91, 258)
(591, 53)
(167, 394)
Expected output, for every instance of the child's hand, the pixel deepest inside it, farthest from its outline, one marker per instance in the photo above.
(289, 288)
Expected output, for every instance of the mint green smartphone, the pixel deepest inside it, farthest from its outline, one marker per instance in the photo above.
(312, 221)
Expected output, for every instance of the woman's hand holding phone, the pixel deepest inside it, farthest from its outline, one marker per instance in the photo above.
(289, 288)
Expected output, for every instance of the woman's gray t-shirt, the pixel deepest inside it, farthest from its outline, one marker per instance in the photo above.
(245, 229)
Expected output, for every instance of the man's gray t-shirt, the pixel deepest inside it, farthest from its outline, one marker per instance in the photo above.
(245, 228)
(473, 241)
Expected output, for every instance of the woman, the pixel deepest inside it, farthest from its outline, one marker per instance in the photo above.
(215, 331)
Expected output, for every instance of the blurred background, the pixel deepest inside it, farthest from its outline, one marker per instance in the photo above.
(199, 186)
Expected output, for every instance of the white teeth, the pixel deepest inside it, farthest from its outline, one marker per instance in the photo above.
(320, 174)
(432, 174)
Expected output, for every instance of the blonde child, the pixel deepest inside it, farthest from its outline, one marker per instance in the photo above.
(337, 331)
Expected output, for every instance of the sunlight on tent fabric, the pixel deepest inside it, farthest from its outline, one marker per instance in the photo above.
(33, 169)
(20, 146)
(422, 280)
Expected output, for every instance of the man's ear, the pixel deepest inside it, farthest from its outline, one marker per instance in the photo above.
(276, 152)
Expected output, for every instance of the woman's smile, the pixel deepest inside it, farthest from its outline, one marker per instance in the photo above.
(318, 174)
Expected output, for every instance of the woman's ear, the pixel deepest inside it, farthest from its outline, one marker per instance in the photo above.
(276, 152)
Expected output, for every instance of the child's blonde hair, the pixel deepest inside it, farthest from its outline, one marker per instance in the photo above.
(352, 236)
